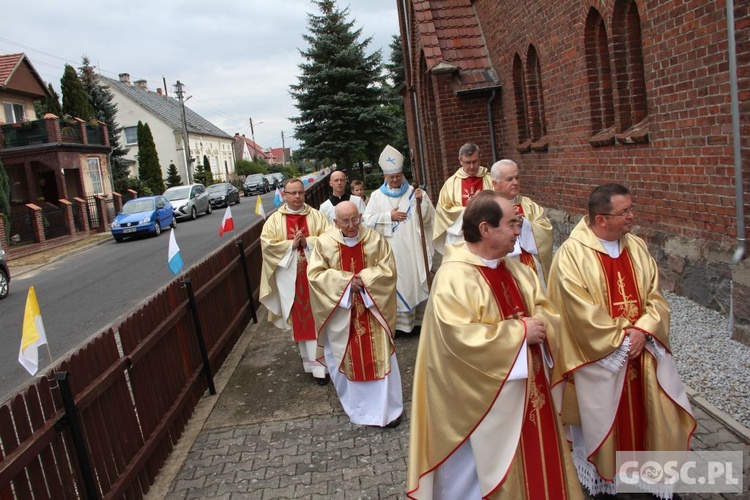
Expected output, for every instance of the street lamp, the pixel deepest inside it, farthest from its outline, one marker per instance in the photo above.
(252, 134)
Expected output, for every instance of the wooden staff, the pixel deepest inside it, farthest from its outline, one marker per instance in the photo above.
(424, 242)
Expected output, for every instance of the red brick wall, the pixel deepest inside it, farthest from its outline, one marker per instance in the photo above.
(683, 179)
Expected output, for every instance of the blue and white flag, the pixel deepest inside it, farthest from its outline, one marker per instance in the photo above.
(277, 199)
(174, 259)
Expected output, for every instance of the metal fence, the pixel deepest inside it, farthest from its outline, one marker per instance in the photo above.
(93, 212)
(94, 134)
(21, 231)
(54, 221)
(24, 134)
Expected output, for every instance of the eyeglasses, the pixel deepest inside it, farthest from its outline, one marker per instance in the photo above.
(347, 223)
(294, 193)
(624, 213)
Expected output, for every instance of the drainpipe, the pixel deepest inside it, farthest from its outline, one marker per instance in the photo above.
(410, 89)
(739, 253)
(492, 126)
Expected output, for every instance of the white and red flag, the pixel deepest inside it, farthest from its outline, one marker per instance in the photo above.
(227, 223)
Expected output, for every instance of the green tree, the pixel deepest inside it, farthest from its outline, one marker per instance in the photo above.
(340, 91)
(203, 172)
(173, 177)
(149, 170)
(50, 104)
(395, 81)
(5, 198)
(75, 102)
(101, 100)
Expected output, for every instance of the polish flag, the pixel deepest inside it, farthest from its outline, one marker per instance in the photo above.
(227, 223)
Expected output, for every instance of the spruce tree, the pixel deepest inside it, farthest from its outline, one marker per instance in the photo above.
(173, 177)
(339, 95)
(101, 99)
(5, 198)
(50, 104)
(149, 169)
(75, 102)
(396, 78)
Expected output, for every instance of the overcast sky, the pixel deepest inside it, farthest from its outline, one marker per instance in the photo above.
(236, 59)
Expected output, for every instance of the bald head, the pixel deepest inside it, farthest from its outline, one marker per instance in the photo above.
(338, 183)
(347, 218)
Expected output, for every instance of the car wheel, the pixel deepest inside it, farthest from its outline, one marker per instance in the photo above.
(193, 213)
(208, 209)
(238, 199)
(173, 224)
(118, 239)
(157, 228)
(4, 288)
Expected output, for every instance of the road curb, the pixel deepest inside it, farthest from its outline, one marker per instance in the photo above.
(21, 270)
(720, 415)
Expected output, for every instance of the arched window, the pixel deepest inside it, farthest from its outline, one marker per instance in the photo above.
(629, 72)
(520, 97)
(537, 122)
(599, 77)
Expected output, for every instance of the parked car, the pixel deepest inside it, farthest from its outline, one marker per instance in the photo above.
(255, 183)
(279, 179)
(188, 201)
(273, 182)
(223, 194)
(4, 276)
(146, 215)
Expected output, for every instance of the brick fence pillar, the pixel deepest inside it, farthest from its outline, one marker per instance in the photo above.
(3, 237)
(101, 207)
(133, 194)
(117, 199)
(70, 222)
(37, 224)
(83, 214)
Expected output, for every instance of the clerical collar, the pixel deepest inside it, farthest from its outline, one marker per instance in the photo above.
(350, 241)
(611, 247)
(335, 200)
(289, 209)
(491, 263)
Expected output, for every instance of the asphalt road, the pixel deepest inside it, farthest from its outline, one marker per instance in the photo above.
(82, 294)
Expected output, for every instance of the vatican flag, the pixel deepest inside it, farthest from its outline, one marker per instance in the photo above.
(33, 336)
(259, 208)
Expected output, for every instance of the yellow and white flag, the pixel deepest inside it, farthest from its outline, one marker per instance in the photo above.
(33, 334)
(259, 208)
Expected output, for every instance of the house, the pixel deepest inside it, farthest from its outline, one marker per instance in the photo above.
(279, 156)
(49, 161)
(135, 102)
(584, 93)
(247, 149)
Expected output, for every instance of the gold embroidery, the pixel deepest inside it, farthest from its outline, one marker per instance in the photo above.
(517, 311)
(537, 398)
(628, 307)
(468, 194)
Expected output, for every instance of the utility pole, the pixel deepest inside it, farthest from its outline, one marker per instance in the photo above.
(283, 149)
(188, 171)
(252, 134)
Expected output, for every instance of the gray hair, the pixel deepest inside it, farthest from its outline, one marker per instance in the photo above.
(495, 170)
(468, 149)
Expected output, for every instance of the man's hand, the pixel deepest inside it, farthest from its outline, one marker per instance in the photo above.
(637, 342)
(418, 193)
(397, 216)
(357, 284)
(536, 330)
(299, 240)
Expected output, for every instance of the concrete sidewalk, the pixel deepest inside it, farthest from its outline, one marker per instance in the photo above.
(272, 432)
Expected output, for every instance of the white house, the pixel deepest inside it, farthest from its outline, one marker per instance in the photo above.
(135, 102)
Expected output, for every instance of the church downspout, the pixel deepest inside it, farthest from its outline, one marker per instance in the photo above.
(410, 89)
(491, 125)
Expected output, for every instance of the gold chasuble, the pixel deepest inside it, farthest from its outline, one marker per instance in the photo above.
(615, 404)
(464, 394)
(283, 284)
(541, 228)
(363, 341)
(454, 195)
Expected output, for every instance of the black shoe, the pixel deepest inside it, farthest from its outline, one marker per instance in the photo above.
(323, 381)
(416, 330)
(394, 423)
(400, 333)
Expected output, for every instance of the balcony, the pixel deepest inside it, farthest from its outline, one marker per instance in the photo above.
(52, 130)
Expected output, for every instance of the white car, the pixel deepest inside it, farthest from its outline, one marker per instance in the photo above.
(189, 201)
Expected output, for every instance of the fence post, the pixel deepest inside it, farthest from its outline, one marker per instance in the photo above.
(101, 207)
(83, 214)
(199, 333)
(71, 417)
(69, 220)
(246, 275)
(37, 223)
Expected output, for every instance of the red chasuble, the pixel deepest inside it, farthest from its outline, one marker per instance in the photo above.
(525, 256)
(469, 187)
(624, 301)
(303, 326)
(539, 447)
(360, 352)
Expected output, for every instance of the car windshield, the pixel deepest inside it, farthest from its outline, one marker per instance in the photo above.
(138, 206)
(180, 193)
(255, 178)
(217, 188)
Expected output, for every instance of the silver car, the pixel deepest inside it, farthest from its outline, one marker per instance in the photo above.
(189, 201)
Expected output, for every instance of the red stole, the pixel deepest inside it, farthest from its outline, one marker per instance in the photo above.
(525, 257)
(539, 447)
(624, 300)
(303, 326)
(470, 186)
(360, 352)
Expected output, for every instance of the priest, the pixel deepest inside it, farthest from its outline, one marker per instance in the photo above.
(393, 212)
(286, 242)
(456, 192)
(483, 424)
(353, 295)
